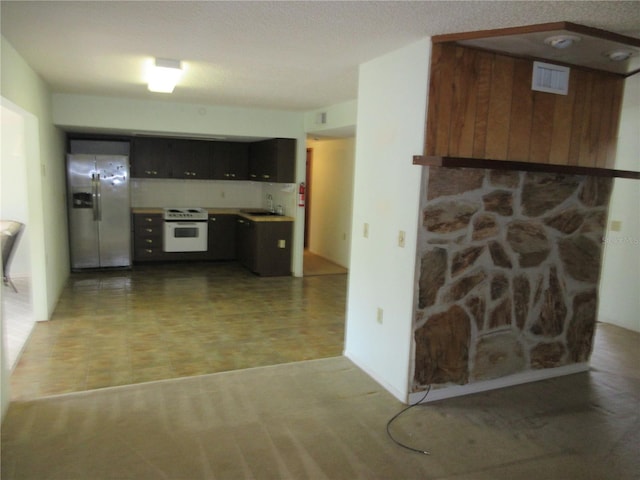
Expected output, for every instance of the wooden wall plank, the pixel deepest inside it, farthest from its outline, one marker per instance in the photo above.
(590, 124)
(604, 89)
(614, 122)
(463, 108)
(432, 101)
(499, 108)
(521, 112)
(445, 99)
(484, 68)
(542, 126)
(562, 123)
(579, 106)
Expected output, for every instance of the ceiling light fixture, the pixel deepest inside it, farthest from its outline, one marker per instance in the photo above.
(561, 41)
(619, 55)
(164, 75)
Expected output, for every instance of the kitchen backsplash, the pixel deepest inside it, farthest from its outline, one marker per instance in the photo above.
(194, 193)
(147, 193)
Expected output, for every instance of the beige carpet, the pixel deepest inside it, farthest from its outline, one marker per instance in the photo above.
(317, 265)
(325, 419)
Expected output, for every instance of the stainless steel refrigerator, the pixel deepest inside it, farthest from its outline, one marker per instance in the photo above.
(99, 211)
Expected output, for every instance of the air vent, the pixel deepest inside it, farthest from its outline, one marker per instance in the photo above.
(321, 118)
(550, 78)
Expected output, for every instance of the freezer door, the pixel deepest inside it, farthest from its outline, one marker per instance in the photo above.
(114, 210)
(81, 204)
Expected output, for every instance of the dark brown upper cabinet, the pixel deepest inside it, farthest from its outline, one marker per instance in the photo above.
(150, 157)
(230, 160)
(273, 160)
(191, 159)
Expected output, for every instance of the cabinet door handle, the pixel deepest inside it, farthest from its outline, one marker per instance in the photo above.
(213, 219)
(149, 219)
(148, 172)
(187, 173)
(148, 250)
(240, 221)
(233, 175)
(148, 240)
(253, 175)
(148, 230)
(266, 176)
(227, 175)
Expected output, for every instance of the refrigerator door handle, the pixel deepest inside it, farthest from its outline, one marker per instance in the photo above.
(98, 198)
(94, 197)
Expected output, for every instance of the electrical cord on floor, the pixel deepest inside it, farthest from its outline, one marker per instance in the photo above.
(397, 442)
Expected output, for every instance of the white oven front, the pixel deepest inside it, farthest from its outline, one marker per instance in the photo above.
(185, 236)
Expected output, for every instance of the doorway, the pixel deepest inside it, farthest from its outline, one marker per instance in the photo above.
(329, 196)
(18, 313)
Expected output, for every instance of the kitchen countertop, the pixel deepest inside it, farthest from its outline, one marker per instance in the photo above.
(225, 211)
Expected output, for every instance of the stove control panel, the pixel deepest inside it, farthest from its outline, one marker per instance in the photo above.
(194, 214)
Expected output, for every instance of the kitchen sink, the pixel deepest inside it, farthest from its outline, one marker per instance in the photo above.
(258, 213)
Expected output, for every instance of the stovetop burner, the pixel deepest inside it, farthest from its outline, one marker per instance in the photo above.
(192, 213)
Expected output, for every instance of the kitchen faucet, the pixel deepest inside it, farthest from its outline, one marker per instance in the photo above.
(270, 202)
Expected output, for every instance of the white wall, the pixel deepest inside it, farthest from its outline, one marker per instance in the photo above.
(620, 278)
(23, 89)
(339, 120)
(5, 369)
(14, 200)
(331, 198)
(24, 93)
(390, 130)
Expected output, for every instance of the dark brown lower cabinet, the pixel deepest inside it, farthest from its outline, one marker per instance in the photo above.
(221, 237)
(147, 237)
(265, 247)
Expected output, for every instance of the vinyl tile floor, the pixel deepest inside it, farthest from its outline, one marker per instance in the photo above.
(158, 322)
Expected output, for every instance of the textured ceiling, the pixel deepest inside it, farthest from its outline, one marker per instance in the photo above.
(286, 55)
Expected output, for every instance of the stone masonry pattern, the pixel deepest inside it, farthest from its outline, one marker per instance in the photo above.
(509, 264)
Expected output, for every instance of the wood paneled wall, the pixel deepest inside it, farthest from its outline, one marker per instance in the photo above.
(481, 106)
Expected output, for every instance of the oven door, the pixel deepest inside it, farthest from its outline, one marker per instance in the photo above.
(185, 237)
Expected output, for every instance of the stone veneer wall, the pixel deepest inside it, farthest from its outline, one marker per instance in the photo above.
(509, 264)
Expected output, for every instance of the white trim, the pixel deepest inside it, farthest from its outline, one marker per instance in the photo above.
(509, 381)
(402, 396)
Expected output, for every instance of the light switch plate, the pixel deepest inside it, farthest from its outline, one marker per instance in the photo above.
(616, 225)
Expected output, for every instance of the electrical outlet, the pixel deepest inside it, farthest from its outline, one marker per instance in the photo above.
(222, 194)
(282, 243)
(616, 225)
(379, 315)
(401, 236)
(366, 230)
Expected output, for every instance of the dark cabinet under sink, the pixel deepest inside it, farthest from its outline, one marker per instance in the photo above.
(265, 247)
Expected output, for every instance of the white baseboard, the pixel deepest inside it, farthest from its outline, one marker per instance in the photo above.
(402, 396)
(509, 381)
